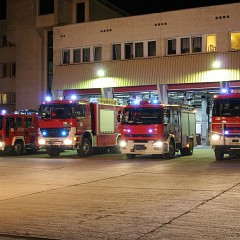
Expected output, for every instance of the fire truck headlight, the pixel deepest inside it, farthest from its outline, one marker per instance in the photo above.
(215, 137)
(1, 144)
(41, 141)
(67, 141)
(158, 144)
(123, 144)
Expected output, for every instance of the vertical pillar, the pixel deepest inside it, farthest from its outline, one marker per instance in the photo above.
(107, 93)
(162, 93)
(204, 121)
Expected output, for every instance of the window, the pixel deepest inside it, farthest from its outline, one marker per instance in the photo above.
(4, 98)
(138, 49)
(235, 41)
(211, 43)
(152, 48)
(3, 9)
(13, 69)
(116, 51)
(185, 45)
(196, 44)
(66, 56)
(3, 70)
(80, 12)
(3, 41)
(77, 55)
(46, 7)
(128, 50)
(80, 110)
(86, 54)
(171, 46)
(97, 53)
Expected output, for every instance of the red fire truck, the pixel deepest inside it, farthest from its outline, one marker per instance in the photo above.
(157, 129)
(78, 125)
(19, 132)
(225, 130)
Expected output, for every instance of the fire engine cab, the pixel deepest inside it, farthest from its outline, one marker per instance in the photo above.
(225, 130)
(19, 132)
(157, 129)
(78, 125)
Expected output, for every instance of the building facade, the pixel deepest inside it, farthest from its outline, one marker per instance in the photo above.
(26, 44)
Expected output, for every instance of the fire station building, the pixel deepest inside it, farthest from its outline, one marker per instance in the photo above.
(92, 49)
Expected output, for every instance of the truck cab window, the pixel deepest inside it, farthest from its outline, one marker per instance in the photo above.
(80, 110)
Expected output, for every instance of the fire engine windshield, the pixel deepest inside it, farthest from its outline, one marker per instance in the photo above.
(142, 116)
(1, 122)
(56, 111)
(226, 107)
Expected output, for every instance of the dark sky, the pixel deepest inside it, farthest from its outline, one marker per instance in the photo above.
(136, 7)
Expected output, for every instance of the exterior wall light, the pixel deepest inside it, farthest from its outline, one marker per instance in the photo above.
(101, 73)
(216, 64)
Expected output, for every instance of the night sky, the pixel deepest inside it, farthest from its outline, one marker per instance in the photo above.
(136, 7)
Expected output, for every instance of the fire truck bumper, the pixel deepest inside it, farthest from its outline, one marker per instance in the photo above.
(66, 143)
(151, 147)
(228, 143)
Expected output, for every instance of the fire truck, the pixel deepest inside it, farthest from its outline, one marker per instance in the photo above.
(19, 132)
(157, 129)
(225, 129)
(78, 125)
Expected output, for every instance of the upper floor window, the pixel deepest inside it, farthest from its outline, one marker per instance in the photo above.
(211, 43)
(185, 45)
(196, 44)
(128, 50)
(66, 56)
(151, 48)
(3, 9)
(46, 7)
(86, 54)
(97, 51)
(171, 46)
(138, 49)
(3, 41)
(3, 70)
(235, 41)
(77, 55)
(116, 51)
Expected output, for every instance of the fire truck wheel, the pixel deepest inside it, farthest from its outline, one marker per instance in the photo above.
(131, 156)
(219, 154)
(18, 148)
(171, 152)
(187, 151)
(53, 152)
(85, 149)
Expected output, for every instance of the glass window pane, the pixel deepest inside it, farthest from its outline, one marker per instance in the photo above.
(128, 50)
(116, 51)
(152, 48)
(235, 41)
(66, 56)
(97, 54)
(185, 45)
(196, 44)
(86, 54)
(77, 55)
(139, 49)
(171, 46)
(211, 43)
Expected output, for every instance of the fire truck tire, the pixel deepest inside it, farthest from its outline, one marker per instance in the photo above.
(18, 148)
(171, 152)
(131, 156)
(85, 149)
(53, 152)
(219, 154)
(187, 151)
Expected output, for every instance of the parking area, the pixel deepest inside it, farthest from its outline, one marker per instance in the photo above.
(109, 197)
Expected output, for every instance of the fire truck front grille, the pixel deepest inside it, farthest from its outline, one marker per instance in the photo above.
(141, 135)
(54, 132)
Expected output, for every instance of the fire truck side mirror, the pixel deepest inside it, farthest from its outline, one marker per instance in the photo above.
(119, 116)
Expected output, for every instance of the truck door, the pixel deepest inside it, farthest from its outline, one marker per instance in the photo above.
(176, 124)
